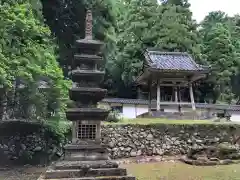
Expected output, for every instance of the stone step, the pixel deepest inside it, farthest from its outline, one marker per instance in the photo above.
(75, 173)
(64, 165)
(86, 156)
(98, 178)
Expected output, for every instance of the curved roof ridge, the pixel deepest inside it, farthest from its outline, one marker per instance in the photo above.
(180, 61)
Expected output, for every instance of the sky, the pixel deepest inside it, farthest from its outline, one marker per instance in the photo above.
(201, 8)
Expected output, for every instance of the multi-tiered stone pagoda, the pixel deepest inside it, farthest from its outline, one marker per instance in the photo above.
(85, 158)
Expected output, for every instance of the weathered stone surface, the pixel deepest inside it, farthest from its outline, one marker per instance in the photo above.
(74, 173)
(125, 141)
(63, 165)
(98, 178)
(86, 156)
(221, 154)
(27, 143)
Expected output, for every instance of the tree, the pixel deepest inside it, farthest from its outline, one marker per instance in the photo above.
(230, 26)
(28, 55)
(220, 53)
(168, 27)
(183, 3)
(66, 19)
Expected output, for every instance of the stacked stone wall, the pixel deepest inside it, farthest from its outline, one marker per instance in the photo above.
(125, 141)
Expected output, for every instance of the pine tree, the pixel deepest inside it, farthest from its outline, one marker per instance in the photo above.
(220, 53)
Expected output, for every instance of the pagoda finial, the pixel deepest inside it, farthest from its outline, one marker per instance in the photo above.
(89, 25)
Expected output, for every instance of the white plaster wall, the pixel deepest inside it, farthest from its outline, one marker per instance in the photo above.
(235, 117)
(175, 109)
(141, 109)
(170, 110)
(129, 111)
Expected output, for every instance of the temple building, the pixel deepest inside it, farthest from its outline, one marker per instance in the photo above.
(174, 70)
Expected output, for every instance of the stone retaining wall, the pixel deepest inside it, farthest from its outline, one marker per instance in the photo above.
(139, 140)
(22, 142)
(28, 143)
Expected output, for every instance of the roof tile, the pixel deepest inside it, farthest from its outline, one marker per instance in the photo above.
(176, 61)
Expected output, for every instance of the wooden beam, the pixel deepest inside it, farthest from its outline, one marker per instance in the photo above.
(170, 85)
(197, 77)
(185, 83)
(173, 79)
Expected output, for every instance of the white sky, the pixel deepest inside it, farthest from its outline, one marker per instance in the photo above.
(201, 8)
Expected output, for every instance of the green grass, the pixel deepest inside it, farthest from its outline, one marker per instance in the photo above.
(145, 121)
(180, 171)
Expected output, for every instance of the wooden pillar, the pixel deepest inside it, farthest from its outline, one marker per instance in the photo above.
(176, 94)
(149, 97)
(179, 100)
(192, 96)
(138, 93)
(158, 95)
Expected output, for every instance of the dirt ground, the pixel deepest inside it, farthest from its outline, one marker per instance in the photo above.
(181, 171)
(171, 170)
(22, 173)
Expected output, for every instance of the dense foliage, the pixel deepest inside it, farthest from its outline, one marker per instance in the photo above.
(220, 46)
(28, 58)
(29, 53)
(169, 27)
(66, 19)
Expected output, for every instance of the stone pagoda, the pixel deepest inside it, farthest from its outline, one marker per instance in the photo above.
(85, 158)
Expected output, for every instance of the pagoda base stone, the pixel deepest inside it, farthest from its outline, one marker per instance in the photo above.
(97, 178)
(78, 152)
(64, 165)
(74, 173)
(86, 162)
(86, 170)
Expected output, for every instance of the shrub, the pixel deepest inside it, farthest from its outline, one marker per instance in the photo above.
(114, 116)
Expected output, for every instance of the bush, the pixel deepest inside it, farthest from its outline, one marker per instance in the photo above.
(59, 126)
(114, 116)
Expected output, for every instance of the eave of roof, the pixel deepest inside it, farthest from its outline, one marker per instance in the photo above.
(183, 104)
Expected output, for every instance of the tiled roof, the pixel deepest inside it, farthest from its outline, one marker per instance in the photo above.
(172, 61)
(183, 104)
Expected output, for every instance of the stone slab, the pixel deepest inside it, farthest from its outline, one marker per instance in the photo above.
(98, 178)
(82, 147)
(86, 156)
(85, 164)
(75, 173)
